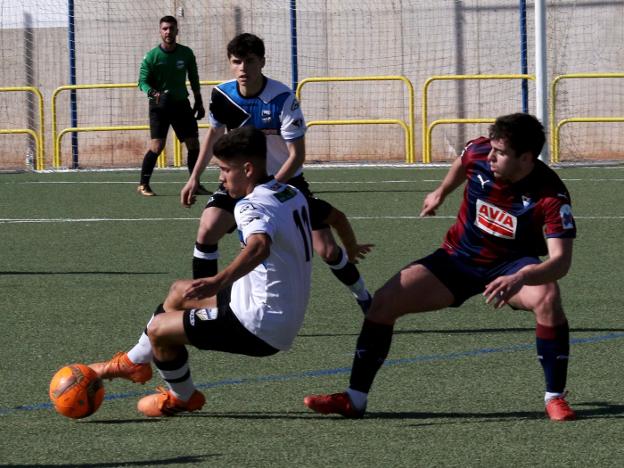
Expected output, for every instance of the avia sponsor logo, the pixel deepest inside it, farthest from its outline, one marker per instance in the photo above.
(495, 221)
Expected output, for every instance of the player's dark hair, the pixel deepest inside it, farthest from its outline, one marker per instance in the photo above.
(168, 19)
(241, 143)
(523, 133)
(245, 44)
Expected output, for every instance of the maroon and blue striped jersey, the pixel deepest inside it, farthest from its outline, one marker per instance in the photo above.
(502, 221)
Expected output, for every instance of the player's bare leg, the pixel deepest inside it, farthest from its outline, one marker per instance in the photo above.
(327, 248)
(414, 289)
(213, 225)
(552, 341)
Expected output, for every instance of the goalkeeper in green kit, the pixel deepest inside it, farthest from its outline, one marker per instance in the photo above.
(162, 77)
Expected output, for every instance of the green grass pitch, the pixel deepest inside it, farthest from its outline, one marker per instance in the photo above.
(85, 260)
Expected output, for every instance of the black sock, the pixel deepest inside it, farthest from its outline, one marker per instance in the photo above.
(553, 348)
(192, 159)
(149, 163)
(205, 260)
(371, 351)
(348, 273)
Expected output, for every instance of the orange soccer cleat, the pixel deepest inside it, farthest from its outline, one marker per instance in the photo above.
(165, 403)
(335, 403)
(120, 366)
(558, 409)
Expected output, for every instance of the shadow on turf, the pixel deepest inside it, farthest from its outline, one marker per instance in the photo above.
(466, 331)
(597, 410)
(194, 460)
(83, 273)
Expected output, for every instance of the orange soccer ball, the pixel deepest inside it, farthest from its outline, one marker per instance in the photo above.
(76, 391)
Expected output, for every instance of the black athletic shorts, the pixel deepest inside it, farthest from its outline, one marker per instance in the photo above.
(222, 331)
(319, 209)
(177, 114)
(465, 279)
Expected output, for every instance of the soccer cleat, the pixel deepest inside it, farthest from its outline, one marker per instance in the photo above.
(365, 304)
(120, 366)
(164, 403)
(145, 190)
(335, 403)
(201, 190)
(558, 409)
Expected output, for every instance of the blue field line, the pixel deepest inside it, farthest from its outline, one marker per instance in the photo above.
(337, 370)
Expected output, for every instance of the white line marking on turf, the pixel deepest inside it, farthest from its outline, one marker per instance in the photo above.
(133, 220)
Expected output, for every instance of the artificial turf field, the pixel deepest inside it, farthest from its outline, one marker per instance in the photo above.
(85, 260)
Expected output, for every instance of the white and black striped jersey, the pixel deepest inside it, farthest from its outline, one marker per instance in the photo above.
(275, 111)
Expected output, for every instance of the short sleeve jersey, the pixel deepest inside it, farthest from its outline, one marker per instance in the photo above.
(272, 299)
(275, 111)
(500, 221)
(167, 71)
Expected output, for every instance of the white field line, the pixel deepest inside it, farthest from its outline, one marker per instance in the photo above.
(314, 183)
(141, 220)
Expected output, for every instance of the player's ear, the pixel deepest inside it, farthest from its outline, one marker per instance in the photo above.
(262, 62)
(248, 168)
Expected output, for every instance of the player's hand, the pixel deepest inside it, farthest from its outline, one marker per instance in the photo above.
(201, 289)
(432, 201)
(198, 110)
(187, 194)
(358, 252)
(499, 291)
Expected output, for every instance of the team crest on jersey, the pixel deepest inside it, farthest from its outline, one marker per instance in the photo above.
(495, 220)
(567, 220)
(180, 64)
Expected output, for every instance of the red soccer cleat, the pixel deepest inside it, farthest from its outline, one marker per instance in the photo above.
(120, 366)
(165, 403)
(558, 409)
(336, 403)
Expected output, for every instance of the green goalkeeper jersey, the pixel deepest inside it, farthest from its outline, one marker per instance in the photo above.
(167, 71)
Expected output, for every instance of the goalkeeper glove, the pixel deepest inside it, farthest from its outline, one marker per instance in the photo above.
(198, 109)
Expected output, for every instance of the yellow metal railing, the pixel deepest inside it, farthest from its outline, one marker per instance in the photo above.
(555, 127)
(37, 136)
(428, 127)
(58, 135)
(408, 127)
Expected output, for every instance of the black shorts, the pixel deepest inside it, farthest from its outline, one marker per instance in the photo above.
(465, 279)
(223, 332)
(177, 114)
(319, 209)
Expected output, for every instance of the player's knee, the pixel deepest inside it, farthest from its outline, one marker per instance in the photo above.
(157, 146)
(548, 304)
(380, 310)
(155, 330)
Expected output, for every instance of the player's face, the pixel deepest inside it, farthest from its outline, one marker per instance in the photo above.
(247, 70)
(168, 33)
(506, 164)
(234, 177)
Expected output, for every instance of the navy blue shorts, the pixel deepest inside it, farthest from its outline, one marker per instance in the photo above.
(178, 115)
(222, 331)
(319, 209)
(465, 279)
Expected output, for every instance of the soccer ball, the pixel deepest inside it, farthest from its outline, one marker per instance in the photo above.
(76, 391)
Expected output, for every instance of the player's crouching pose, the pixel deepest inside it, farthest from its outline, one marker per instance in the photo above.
(255, 306)
(511, 201)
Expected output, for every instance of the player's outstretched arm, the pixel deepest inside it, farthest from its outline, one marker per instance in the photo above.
(257, 250)
(340, 223)
(455, 176)
(187, 194)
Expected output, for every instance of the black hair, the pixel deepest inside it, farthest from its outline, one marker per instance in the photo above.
(168, 19)
(523, 133)
(241, 143)
(245, 44)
